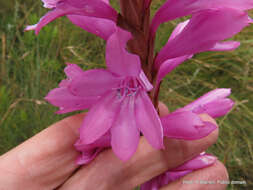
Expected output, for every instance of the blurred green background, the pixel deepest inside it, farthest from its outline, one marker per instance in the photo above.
(31, 65)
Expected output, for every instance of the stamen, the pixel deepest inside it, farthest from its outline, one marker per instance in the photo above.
(129, 86)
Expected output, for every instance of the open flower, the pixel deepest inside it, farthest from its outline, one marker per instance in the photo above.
(202, 33)
(173, 9)
(118, 104)
(124, 107)
(117, 98)
(170, 64)
(95, 16)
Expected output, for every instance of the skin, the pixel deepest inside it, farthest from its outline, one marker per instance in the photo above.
(47, 161)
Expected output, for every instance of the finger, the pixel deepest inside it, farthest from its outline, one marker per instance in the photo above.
(108, 172)
(163, 109)
(45, 160)
(210, 178)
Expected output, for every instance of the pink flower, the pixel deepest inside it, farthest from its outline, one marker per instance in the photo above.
(50, 3)
(119, 105)
(202, 33)
(170, 64)
(216, 104)
(117, 98)
(95, 16)
(185, 123)
(63, 98)
(90, 151)
(173, 9)
(201, 161)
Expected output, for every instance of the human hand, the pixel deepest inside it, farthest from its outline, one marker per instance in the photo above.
(47, 161)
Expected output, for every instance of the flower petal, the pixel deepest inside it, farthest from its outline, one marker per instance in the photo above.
(153, 184)
(172, 176)
(94, 8)
(124, 132)
(73, 70)
(50, 3)
(118, 60)
(169, 65)
(101, 27)
(186, 125)
(217, 108)
(93, 82)
(179, 28)
(213, 95)
(67, 102)
(148, 121)
(30, 27)
(200, 161)
(203, 32)
(87, 156)
(90, 151)
(102, 142)
(170, 10)
(145, 82)
(106, 1)
(220, 46)
(225, 46)
(173, 9)
(163, 179)
(100, 118)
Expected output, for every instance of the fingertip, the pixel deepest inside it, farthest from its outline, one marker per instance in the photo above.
(221, 170)
(163, 109)
(74, 122)
(211, 138)
(208, 118)
(212, 177)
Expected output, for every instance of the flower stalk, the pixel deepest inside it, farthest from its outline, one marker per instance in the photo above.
(135, 17)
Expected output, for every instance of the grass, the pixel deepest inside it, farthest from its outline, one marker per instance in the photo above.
(32, 65)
